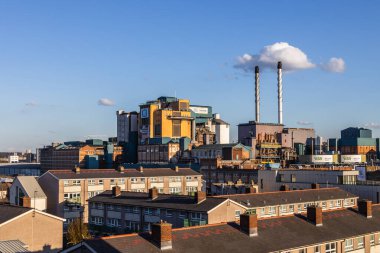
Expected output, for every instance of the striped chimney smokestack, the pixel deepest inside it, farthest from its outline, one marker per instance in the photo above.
(257, 93)
(279, 85)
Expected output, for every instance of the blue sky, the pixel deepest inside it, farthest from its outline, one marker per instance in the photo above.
(58, 58)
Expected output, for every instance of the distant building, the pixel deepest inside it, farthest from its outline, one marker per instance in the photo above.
(68, 190)
(91, 154)
(233, 151)
(27, 186)
(39, 231)
(13, 159)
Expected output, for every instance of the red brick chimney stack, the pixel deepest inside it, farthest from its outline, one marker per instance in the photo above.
(162, 235)
(200, 197)
(248, 224)
(116, 191)
(315, 186)
(314, 215)
(365, 208)
(153, 193)
(284, 188)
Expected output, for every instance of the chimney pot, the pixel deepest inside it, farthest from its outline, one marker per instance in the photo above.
(77, 169)
(120, 169)
(176, 168)
(153, 193)
(365, 208)
(200, 196)
(116, 191)
(248, 224)
(141, 169)
(314, 215)
(162, 235)
(284, 188)
(315, 186)
(250, 190)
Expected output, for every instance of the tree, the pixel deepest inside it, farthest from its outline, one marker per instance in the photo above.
(77, 231)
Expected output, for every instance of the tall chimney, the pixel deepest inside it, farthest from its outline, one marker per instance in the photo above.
(257, 93)
(279, 86)
(162, 235)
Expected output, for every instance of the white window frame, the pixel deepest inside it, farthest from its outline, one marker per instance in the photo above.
(349, 244)
(360, 242)
(332, 246)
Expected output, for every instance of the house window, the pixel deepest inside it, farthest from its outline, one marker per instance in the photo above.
(99, 206)
(91, 182)
(113, 222)
(128, 209)
(169, 213)
(136, 210)
(100, 182)
(96, 220)
(121, 181)
(188, 178)
(324, 205)
(317, 249)
(174, 190)
(182, 214)
(196, 216)
(360, 242)
(153, 179)
(112, 181)
(66, 183)
(372, 240)
(291, 208)
(133, 180)
(338, 203)
(272, 210)
(331, 204)
(330, 247)
(76, 182)
(263, 211)
(349, 244)
(93, 194)
(301, 251)
(110, 207)
(191, 189)
(283, 209)
(237, 214)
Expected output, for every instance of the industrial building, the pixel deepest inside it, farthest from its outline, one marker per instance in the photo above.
(272, 142)
(90, 154)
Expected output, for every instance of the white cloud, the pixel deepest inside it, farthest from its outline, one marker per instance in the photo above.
(336, 65)
(373, 125)
(304, 123)
(106, 102)
(292, 58)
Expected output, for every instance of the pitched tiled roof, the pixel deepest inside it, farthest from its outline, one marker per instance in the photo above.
(110, 173)
(168, 201)
(273, 235)
(8, 212)
(13, 246)
(289, 197)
